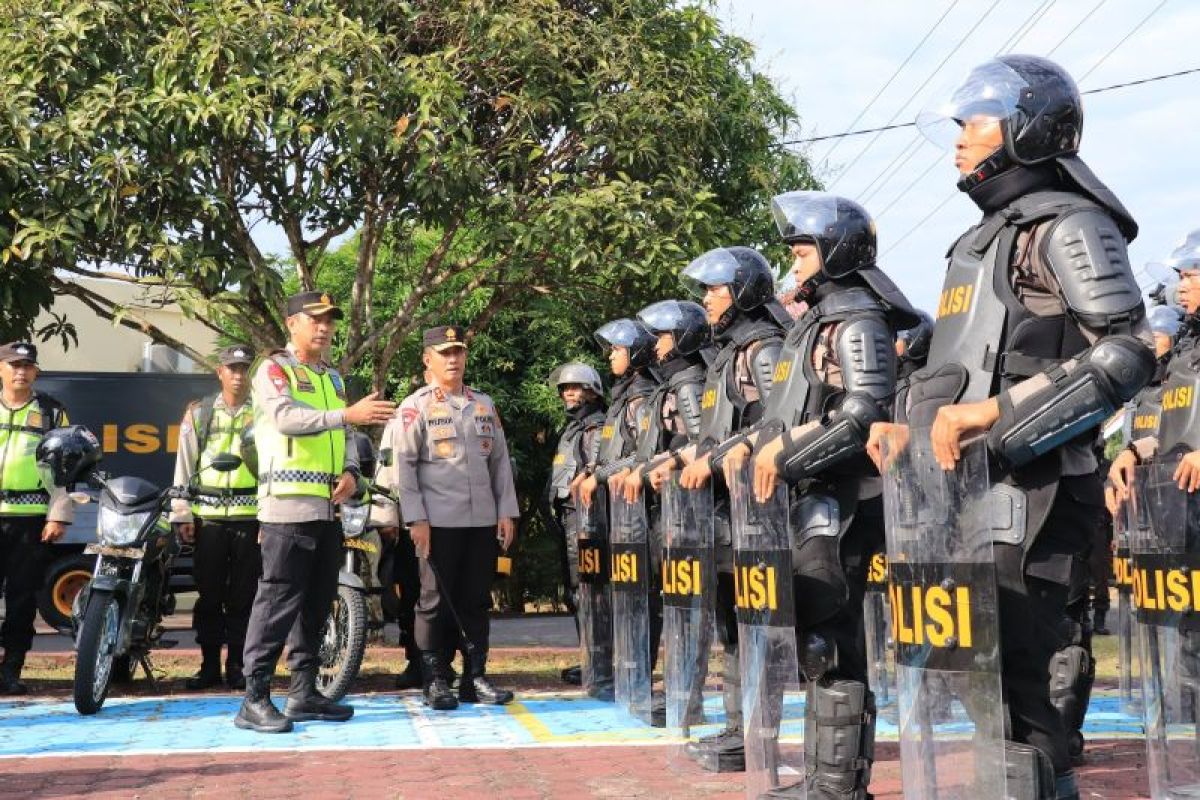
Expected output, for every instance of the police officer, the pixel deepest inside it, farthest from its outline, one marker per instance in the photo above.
(1030, 350)
(736, 287)
(582, 392)
(30, 516)
(454, 484)
(304, 469)
(840, 363)
(222, 522)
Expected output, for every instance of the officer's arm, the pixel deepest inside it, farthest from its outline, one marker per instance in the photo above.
(292, 418)
(864, 352)
(688, 407)
(406, 452)
(1082, 258)
(61, 508)
(500, 467)
(383, 512)
(185, 466)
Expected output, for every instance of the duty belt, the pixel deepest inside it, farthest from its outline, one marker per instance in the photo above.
(24, 497)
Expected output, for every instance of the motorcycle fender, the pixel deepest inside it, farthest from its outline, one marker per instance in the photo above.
(347, 578)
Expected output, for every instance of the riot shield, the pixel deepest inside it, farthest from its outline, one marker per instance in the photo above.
(1166, 600)
(629, 575)
(766, 623)
(594, 602)
(689, 583)
(1129, 677)
(877, 617)
(942, 589)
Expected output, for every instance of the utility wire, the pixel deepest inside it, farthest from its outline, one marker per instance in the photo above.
(888, 82)
(1124, 39)
(1071, 32)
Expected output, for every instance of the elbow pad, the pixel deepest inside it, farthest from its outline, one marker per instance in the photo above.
(1103, 379)
(844, 435)
(606, 471)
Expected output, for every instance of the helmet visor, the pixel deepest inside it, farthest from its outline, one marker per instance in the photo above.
(665, 316)
(990, 94)
(804, 215)
(715, 268)
(1187, 255)
(618, 333)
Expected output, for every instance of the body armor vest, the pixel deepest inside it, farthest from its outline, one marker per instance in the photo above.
(985, 340)
(688, 380)
(1179, 420)
(722, 404)
(1145, 413)
(617, 439)
(798, 395)
(566, 457)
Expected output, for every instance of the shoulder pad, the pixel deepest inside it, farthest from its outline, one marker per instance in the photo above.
(1087, 252)
(844, 302)
(688, 406)
(762, 364)
(867, 356)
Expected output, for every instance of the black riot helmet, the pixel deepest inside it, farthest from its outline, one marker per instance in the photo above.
(1035, 101)
(633, 336)
(842, 230)
(66, 456)
(684, 320)
(577, 372)
(744, 270)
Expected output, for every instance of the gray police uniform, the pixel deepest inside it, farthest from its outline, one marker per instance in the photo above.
(450, 467)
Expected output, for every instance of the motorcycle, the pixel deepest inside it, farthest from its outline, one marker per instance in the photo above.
(344, 641)
(117, 617)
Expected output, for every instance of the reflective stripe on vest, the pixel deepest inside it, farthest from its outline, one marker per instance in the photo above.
(21, 489)
(301, 465)
(225, 494)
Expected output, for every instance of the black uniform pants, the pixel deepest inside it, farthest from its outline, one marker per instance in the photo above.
(465, 560)
(300, 565)
(406, 577)
(23, 561)
(1100, 561)
(227, 564)
(1033, 609)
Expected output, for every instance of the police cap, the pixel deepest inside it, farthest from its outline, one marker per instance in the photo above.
(314, 304)
(18, 351)
(445, 337)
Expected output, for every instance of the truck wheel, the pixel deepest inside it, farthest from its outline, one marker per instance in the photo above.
(65, 578)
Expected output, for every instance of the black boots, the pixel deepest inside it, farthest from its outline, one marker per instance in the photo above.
(411, 677)
(572, 676)
(1098, 622)
(210, 670)
(437, 691)
(258, 713)
(720, 752)
(10, 674)
(305, 703)
(474, 687)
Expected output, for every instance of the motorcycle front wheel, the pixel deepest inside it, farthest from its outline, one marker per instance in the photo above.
(343, 643)
(95, 651)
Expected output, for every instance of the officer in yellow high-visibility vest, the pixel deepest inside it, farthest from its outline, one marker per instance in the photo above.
(30, 516)
(223, 520)
(304, 470)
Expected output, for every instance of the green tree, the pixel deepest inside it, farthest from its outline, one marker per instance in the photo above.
(509, 150)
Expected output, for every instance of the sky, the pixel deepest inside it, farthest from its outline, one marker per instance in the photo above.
(830, 58)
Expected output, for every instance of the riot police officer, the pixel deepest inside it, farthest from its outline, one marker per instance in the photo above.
(454, 485)
(582, 392)
(301, 422)
(31, 516)
(736, 286)
(222, 521)
(840, 363)
(1030, 350)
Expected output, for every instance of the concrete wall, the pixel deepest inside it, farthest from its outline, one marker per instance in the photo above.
(105, 347)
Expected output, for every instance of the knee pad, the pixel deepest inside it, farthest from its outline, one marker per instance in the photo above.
(1029, 772)
(1072, 673)
(817, 655)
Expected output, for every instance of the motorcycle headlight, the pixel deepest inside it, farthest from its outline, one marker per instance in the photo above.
(117, 529)
(354, 519)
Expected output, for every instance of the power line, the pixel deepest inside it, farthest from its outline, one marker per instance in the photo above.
(924, 219)
(885, 175)
(940, 158)
(888, 82)
(1124, 39)
(918, 90)
(1123, 85)
(1071, 32)
(1029, 24)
